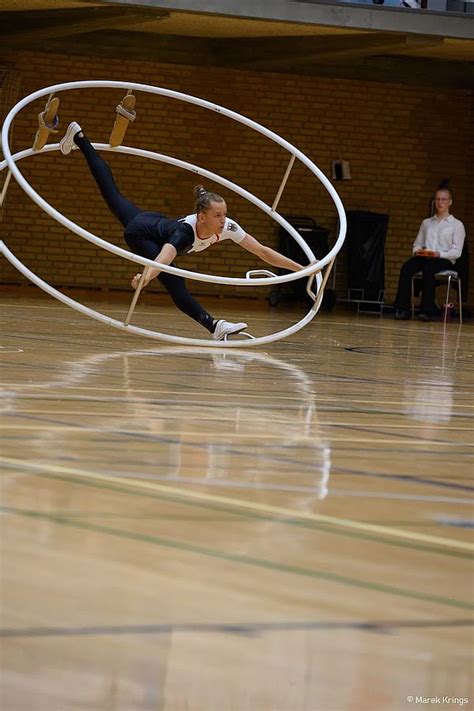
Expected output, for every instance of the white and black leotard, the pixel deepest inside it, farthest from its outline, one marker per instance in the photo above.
(155, 228)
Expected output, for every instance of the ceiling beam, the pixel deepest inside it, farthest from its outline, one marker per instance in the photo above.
(154, 47)
(20, 30)
(203, 52)
(279, 52)
(401, 70)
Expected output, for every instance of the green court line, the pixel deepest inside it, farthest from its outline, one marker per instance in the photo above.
(301, 523)
(243, 559)
(227, 516)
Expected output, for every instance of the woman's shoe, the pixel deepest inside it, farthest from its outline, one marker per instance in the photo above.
(224, 329)
(66, 144)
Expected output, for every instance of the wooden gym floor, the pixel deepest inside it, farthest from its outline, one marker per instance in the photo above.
(276, 529)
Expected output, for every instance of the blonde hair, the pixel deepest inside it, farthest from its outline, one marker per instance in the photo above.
(204, 198)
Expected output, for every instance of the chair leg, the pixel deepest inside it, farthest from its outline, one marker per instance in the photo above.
(447, 299)
(412, 297)
(460, 300)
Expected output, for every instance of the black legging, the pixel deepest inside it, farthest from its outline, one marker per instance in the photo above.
(125, 211)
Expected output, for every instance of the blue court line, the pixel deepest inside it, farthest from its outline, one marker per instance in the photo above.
(403, 477)
(242, 628)
(384, 432)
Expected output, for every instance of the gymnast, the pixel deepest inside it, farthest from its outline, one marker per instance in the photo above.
(156, 237)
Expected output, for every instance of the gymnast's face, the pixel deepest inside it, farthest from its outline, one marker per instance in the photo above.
(212, 221)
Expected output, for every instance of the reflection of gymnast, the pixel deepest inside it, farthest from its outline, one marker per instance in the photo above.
(154, 236)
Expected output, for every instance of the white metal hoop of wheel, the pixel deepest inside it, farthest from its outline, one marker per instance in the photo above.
(312, 271)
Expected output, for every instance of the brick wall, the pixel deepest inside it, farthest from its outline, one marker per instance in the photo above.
(400, 140)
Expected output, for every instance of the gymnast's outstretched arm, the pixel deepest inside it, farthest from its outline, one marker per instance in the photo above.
(269, 255)
(166, 256)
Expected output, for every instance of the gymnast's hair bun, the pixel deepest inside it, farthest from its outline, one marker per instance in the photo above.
(200, 191)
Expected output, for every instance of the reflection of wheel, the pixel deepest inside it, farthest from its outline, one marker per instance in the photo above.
(274, 297)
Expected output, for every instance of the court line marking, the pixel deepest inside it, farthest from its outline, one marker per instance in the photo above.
(59, 382)
(211, 418)
(46, 422)
(242, 559)
(242, 515)
(244, 628)
(208, 420)
(220, 483)
(141, 391)
(199, 435)
(246, 505)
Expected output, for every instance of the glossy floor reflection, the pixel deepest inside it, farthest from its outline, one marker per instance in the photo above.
(279, 529)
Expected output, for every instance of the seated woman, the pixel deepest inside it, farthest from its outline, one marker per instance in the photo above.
(154, 236)
(437, 246)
